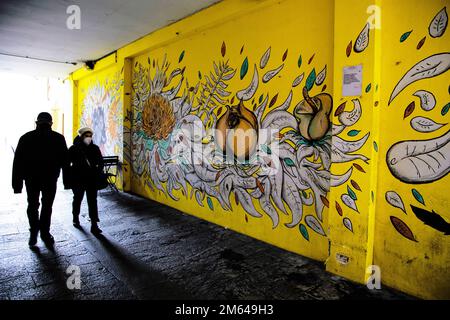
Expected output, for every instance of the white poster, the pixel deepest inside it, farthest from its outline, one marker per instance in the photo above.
(352, 81)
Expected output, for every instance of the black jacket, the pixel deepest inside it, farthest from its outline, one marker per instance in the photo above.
(40, 155)
(84, 173)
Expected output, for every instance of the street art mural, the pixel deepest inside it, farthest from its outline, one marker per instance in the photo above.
(421, 161)
(102, 111)
(188, 135)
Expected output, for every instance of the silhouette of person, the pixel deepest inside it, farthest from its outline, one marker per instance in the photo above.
(39, 157)
(86, 162)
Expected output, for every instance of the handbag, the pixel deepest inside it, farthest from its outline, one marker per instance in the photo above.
(102, 180)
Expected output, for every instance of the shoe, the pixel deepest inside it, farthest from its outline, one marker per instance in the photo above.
(95, 229)
(48, 238)
(33, 238)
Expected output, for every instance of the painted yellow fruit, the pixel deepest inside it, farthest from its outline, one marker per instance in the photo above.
(237, 131)
(313, 115)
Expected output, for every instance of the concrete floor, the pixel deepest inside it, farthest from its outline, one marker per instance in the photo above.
(150, 251)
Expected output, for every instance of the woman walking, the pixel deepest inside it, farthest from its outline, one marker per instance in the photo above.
(86, 165)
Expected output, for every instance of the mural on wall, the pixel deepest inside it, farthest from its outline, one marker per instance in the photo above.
(426, 160)
(285, 162)
(102, 111)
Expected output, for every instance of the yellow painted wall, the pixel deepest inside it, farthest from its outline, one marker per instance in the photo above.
(345, 221)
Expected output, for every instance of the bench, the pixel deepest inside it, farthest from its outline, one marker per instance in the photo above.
(110, 167)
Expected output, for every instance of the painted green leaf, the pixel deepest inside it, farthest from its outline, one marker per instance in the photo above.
(376, 88)
(181, 57)
(303, 231)
(260, 98)
(311, 79)
(372, 196)
(244, 68)
(368, 87)
(445, 109)
(299, 63)
(210, 204)
(405, 36)
(351, 193)
(289, 162)
(418, 196)
(266, 149)
(304, 194)
(375, 146)
(353, 133)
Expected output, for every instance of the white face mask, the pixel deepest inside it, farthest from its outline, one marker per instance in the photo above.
(87, 141)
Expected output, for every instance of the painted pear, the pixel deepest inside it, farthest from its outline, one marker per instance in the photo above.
(313, 115)
(237, 131)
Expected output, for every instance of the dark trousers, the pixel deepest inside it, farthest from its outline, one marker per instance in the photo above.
(91, 195)
(34, 189)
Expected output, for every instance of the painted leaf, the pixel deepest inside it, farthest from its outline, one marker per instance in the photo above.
(284, 55)
(353, 133)
(325, 201)
(260, 98)
(349, 202)
(402, 228)
(359, 168)
(438, 24)
(409, 109)
(348, 51)
(427, 99)
(210, 204)
(200, 75)
(289, 162)
(338, 208)
(349, 118)
(351, 193)
(422, 124)
(223, 49)
(311, 59)
(310, 80)
(348, 224)
(181, 57)
(298, 80)
(323, 88)
(445, 109)
(395, 200)
(265, 58)
(321, 76)
(418, 196)
(405, 36)
(368, 87)
(244, 68)
(299, 62)
(420, 161)
(362, 41)
(355, 185)
(304, 231)
(314, 224)
(266, 149)
(272, 73)
(429, 67)
(340, 109)
(273, 100)
(248, 93)
(242, 49)
(375, 146)
(421, 42)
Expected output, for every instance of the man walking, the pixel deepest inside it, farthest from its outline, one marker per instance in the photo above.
(38, 159)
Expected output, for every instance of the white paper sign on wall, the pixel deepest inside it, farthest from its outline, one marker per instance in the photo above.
(352, 81)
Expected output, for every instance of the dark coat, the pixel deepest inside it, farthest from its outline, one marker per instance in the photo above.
(84, 173)
(39, 157)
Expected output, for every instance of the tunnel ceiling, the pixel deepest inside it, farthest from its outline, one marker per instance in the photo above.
(38, 29)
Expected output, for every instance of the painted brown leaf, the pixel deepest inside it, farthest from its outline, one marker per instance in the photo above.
(397, 63)
(355, 185)
(421, 42)
(358, 167)
(340, 109)
(348, 51)
(246, 218)
(223, 50)
(376, 103)
(242, 49)
(219, 111)
(285, 55)
(274, 99)
(409, 109)
(153, 63)
(311, 59)
(259, 185)
(217, 175)
(325, 201)
(232, 100)
(338, 208)
(324, 87)
(402, 228)
(182, 70)
(191, 89)
(158, 160)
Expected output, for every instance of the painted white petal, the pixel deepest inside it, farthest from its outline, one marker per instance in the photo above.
(348, 224)
(265, 58)
(395, 200)
(427, 99)
(272, 73)
(349, 202)
(349, 118)
(312, 222)
(249, 92)
(297, 80)
(362, 41)
(438, 24)
(422, 124)
(321, 76)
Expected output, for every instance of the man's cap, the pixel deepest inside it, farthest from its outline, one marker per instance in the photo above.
(44, 117)
(84, 130)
